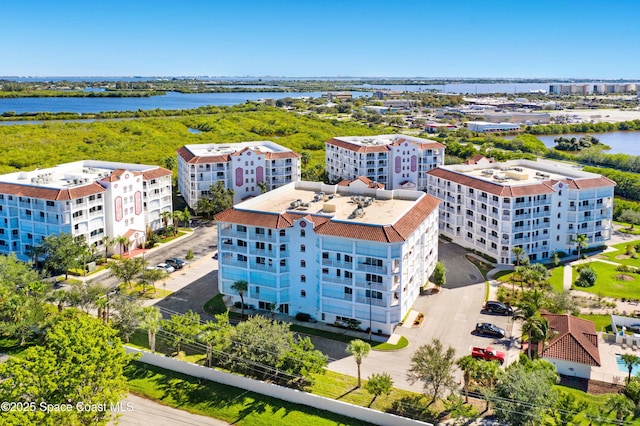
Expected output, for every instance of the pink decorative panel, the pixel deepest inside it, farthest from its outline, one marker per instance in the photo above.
(414, 163)
(259, 174)
(117, 207)
(137, 200)
(239, 177)
(398, 164)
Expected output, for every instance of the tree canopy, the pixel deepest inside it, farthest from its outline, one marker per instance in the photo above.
(80, 362)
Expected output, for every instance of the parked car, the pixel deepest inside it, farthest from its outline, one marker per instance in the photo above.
(180, 262)
(173, 263)
(498, 308)
(164, 267)
(486, 329)
(488, 354)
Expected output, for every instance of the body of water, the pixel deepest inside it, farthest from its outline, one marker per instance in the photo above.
(172, 100)
(620, 142)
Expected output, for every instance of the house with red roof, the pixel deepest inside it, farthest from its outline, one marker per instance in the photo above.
(573, 349)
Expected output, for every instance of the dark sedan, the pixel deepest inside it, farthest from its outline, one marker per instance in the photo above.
(486, 329)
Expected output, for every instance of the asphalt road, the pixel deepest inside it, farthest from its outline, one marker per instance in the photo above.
(144, 412)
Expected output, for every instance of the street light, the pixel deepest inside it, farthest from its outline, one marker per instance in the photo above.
(370, 312)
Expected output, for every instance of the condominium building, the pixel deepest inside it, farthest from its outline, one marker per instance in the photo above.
(540, 206)
(84, 198)
(396, 161)
(339, 253)
(245, 167)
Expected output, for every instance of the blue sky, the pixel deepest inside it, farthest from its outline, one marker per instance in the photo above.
(304, 38)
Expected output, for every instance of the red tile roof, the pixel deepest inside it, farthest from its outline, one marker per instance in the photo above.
(476, 158)
(192, 159)
(429, 144)
(156, 173)
(358, 148)
(491, 187)
(323, 225)
(575, 340)
(365, 180)
(116, 174)
(53, 194)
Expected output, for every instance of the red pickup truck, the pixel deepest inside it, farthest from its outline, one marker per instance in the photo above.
(488, 354)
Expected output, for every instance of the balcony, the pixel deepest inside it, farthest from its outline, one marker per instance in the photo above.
(260, 267)
(371, 268)
(371, 300)
(337, 263)
(373, 286)
(340, 295)
(336, 280)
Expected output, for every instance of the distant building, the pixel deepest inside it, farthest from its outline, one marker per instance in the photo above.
(345, 254)
(397, 161)
(484, 127)
(387, 94)
(569, 89)
(337, 96)
(518, 117)
(88, 199)
(539, 206)
(438, 127)
(242, 167)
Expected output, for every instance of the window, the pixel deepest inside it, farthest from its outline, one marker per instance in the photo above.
(283, 247)
(374, 294)
(50, 204)
(242, 243)
(261, 261)
(259, 231)
(303, 293)
(282, 233)
(303, 278)
(348, 290)
(303, 263)
(302, 248)
(241, 228)
(259, 245)
(325, 271)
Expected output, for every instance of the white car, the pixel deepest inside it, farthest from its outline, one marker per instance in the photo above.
(164, 267)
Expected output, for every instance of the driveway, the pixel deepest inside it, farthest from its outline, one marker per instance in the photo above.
(450, 315)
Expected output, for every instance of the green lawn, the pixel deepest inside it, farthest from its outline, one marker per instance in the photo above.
(601, 322)
(227, 403)
(619, 255)
(556, 278)
(609, 284)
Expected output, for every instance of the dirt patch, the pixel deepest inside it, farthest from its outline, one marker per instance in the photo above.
(622, 277)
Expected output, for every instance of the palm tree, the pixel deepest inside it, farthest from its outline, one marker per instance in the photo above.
(177, 217)
(537, 274)
(468, 365)
(535, 330)
(186, 216)
(581, 242)
(241, 286)
(123, 242)
(151, 320)
(487, 375)
(166, 216)
(630, 361)
(209, 334)
(519, 254)
(359, 349)
(621, 405)
(107, 241)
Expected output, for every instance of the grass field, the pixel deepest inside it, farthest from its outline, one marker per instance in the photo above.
(233, 405)
(609, 283)
(601, 322)
(619, 255)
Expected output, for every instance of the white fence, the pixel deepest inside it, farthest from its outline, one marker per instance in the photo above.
(276, 391)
